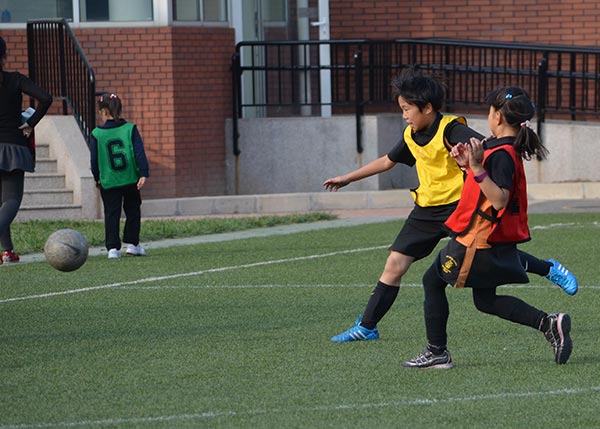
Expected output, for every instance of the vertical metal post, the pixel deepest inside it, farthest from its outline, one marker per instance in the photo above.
(359, 108)
(30, 57)
(91, 105)
(62, 65)
(542, 94)
(235, 84)
(573, 85)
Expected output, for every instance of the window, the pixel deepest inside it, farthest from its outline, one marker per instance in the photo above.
(200, 10)
(19, 11)
(115, 10)
(22, 11)
(274, 12)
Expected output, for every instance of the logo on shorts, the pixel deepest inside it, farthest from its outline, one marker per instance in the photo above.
(449, 264)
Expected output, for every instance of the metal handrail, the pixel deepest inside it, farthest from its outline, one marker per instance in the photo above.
(271, 77)
(59, 65)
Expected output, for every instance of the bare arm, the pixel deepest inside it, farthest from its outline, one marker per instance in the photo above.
(376, 166)
(498, 196)
(471, 156)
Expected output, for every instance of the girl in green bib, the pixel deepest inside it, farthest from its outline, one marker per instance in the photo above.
(120, 169)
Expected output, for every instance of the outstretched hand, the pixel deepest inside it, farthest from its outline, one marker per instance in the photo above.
(468, 155)
(335, 183)
(460, 153)
(475, 153)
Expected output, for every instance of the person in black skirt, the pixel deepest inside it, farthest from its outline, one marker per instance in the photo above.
(16, 153)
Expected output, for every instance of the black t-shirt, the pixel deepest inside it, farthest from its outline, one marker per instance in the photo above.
(500, 165)
(454, 133)
(13, 86)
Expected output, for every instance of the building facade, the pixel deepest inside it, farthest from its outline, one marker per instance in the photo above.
(170, 60)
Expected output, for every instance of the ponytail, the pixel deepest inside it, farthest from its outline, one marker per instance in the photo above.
(528, 144)
(516, 107)
(112, 103)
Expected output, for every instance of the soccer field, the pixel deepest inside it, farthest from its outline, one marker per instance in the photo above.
(235, 334)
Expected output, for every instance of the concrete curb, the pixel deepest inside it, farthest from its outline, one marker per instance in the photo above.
(326, 201)
(277, 203)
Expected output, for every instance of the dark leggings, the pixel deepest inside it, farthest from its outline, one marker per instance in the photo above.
(129, 198)
(11, 195)
(485, 299)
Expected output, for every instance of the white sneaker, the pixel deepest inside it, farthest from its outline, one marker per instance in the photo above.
(114, 254)
(135, 250)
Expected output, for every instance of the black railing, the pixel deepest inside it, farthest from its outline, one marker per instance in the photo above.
(284, 78)
(57, 63)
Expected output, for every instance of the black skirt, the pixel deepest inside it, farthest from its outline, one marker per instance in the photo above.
(491, 267)
(15, 157)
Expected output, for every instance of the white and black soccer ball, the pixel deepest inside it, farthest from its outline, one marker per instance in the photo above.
(66, 250)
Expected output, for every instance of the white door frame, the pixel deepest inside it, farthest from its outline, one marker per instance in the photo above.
(324, 57)
(237, 23)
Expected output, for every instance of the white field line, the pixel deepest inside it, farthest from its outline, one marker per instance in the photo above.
(133, 283)
(190, 274)
(323, 408)
(214, 270)
(318, 286)
(562, 225)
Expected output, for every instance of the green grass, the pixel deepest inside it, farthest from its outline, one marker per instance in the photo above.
(236, 334)
(30, 236)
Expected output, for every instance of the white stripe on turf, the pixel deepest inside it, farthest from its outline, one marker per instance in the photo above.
(331, 408)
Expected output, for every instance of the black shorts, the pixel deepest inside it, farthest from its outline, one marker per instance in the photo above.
(418, 238)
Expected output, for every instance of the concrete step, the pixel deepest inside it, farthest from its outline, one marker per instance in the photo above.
(49, 212)
(44, 181)
(62, 186)
(42, 150)
(47, 197)
(45, 165)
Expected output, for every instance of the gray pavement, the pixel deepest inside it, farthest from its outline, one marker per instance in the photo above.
(565, 206)
(345, 218)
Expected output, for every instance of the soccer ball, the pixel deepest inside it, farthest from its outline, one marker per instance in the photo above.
(66, 250)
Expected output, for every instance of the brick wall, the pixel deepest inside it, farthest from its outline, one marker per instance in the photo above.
(573, 22)
(203, 99)
(175, 84)
(136, 64)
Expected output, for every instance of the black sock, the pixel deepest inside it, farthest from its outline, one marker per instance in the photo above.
(544, 323)
(534, 265)
(380, 302)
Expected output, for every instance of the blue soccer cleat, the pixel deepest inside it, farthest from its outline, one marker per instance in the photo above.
(562, 277)
(357, 333)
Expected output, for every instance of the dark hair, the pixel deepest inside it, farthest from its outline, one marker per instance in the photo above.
(112, 103)
(517, 108)
(418, 88)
